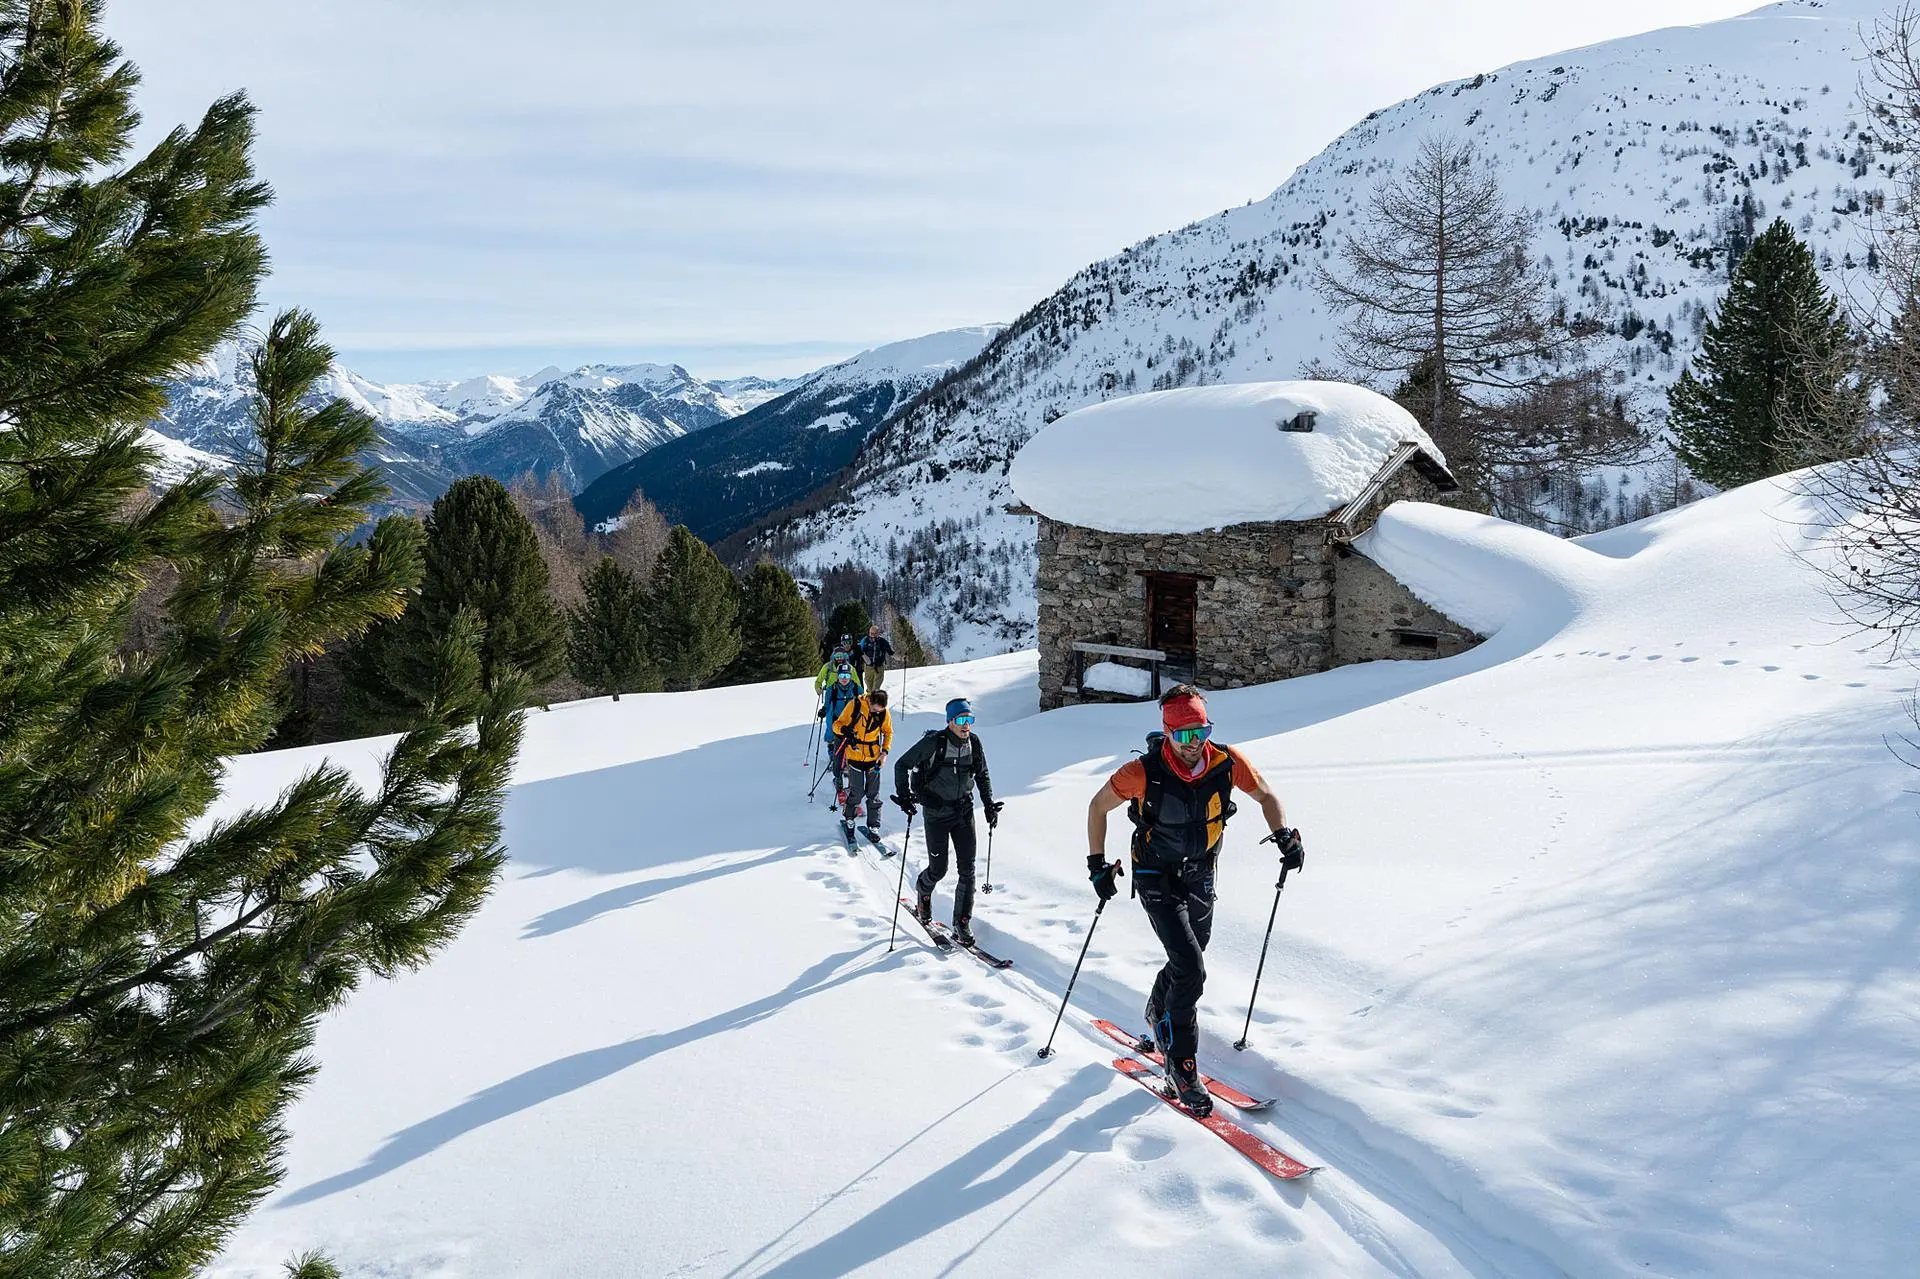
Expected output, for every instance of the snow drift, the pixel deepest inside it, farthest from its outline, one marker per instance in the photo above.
(1207, 457)
(1605, 961)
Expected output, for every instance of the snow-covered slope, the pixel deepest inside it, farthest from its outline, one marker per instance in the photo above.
(1646, 158)
(726, 477)
(1603, 963)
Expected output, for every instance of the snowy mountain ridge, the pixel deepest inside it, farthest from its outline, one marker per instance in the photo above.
(575, 423)
(1646, 160)
(724, 478)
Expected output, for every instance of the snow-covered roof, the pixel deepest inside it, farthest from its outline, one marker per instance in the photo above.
(1207, 457)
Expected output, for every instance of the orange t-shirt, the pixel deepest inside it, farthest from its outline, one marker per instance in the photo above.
(1129, 781)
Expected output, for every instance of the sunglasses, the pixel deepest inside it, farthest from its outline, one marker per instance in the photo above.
(963, 719)
(1188, 736)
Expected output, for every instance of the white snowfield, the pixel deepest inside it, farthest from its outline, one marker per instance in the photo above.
(1605, 961)
(1209, 456)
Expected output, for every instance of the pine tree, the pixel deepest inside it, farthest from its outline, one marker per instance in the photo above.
(693, 609)
(1772, 361)
(607, 634)
(906, 638)
(849, 617)
(776, 629)
(161, 978)
(483, 556)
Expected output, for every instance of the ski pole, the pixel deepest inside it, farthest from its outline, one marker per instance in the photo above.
(806, 754)
(900, 889)
(817, 776)
(1241, 1044)
(1048, 1050)
(986, 881)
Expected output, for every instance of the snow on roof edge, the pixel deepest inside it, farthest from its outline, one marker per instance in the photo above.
(1209, 457)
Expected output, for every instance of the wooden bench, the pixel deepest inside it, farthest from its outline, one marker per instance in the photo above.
(1153, 657)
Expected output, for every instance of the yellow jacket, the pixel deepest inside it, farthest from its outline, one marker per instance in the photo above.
(868, 737)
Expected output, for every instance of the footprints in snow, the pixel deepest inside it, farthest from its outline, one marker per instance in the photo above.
(986, 1024)
(1632, 653)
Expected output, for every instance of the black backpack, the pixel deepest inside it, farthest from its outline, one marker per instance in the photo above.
(1144, 812)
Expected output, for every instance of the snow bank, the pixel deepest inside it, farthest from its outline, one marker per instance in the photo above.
(1603, 963)
(1112, 677)
(1210, 456)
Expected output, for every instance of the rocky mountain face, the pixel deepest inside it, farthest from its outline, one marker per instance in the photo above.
(719, 480)
(576, 425)
(1648, 162)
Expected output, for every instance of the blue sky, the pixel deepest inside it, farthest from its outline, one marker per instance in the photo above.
(745, 186)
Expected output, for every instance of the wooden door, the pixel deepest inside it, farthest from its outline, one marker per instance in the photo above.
(1172, 603)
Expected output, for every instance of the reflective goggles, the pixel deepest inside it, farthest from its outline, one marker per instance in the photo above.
(963, 719)
(1188, 736)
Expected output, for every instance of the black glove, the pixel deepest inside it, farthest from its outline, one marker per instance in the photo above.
(993, 814)
(1293, 856)
(1103, 873)
(821, 713)
(906, 804)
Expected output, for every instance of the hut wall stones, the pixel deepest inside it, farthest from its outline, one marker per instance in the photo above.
(1274, 599)
(1379, 619)
(1264, 609)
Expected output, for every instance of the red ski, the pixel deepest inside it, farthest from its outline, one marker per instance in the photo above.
(1277, 1162)
(1225, 1092)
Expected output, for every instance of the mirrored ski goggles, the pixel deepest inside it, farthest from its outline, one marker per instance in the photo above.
(1188, 736)
(963, 719)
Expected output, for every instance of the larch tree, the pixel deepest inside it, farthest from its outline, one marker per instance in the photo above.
(1438, 294)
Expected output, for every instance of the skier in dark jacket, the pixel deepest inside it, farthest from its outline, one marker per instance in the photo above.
(940, 773)
(875, 650)
(1178, 796)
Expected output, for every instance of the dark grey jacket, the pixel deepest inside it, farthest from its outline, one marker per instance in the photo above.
(941, 772)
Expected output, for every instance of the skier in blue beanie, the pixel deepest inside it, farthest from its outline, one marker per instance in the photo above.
(940, 773)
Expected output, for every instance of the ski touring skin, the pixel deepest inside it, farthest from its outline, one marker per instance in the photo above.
(947, 942)
(1224, 1092)
(1273, 1160)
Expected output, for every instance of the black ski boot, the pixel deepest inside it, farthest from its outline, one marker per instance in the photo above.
(923, 910)
(1159, 1035)
(1184, 1079)
(873, 833)
(963, 931)
(846, 832)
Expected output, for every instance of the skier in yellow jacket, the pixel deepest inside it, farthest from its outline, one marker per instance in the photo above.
(865, 733)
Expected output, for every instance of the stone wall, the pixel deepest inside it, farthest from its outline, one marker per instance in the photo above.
(1269, 611)
(1377, 618)
(1266, 614)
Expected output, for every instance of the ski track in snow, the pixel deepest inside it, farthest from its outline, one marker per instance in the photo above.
(1603, 962)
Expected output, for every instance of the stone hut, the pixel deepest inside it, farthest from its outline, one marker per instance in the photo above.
(1206, 534)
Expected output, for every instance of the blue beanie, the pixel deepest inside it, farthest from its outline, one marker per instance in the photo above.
(958, 706)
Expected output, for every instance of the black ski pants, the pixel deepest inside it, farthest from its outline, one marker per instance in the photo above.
(1179, 903)
(956, 828)
(863, 785)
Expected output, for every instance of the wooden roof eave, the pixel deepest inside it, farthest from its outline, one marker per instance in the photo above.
(1405, 453)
